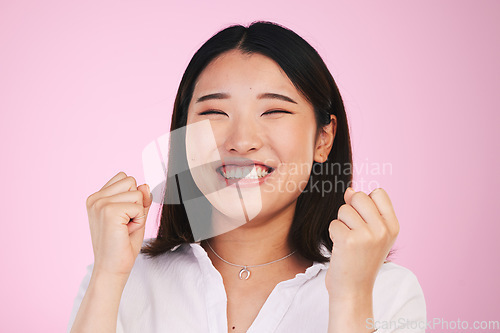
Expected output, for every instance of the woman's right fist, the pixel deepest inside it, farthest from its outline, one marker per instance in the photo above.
(117, 215)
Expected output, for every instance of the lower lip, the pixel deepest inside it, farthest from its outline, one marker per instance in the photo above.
(244, 182)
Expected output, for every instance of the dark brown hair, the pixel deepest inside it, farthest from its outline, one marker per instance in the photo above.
(315, 208)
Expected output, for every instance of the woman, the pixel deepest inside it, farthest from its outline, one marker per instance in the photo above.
(273, 241)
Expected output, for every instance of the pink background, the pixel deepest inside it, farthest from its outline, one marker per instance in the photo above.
(84, 87)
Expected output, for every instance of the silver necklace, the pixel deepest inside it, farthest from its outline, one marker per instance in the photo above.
(245, 272)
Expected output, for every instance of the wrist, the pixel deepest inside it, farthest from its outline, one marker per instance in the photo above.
(103, 279)
(351, 314)
(356, 294)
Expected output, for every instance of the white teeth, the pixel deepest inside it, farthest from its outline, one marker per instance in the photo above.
(261, 172)
(231, 172)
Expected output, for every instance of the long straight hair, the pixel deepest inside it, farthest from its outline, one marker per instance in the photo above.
(316, 207)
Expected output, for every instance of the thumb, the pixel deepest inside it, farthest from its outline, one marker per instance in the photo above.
(348, 195)
(147, 199)
(137, 230)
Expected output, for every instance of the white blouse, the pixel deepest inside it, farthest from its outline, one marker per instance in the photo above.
(181, 291)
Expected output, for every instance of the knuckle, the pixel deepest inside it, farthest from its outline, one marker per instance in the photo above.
(343, 210)
(138, 196)
(366, 236)
(89, 201)
(137, 208)
(331, 227)
(384, 236)
(382, 231)
(371, 241)
(334, 225)
(357, 197)
(106, 209)
(351, 242)
(395, 230)
(132, 181)
(377, 191)
(99, 204)
(392, 226)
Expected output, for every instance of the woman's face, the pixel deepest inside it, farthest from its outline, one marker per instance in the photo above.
(251, 137)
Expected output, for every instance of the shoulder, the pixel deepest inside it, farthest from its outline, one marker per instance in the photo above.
(396, 277)
(180, 257)
(397, 294)
(166, 273)
(393, 271)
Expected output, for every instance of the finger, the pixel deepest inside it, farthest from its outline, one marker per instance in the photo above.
(366, 208)
(119, 176)
(131, 214)
(125, 210)
(138, 222)
(147, 195)
(348, 195)
(384, 205)
(110, 188)
(137, 229)
(137, 237)
(136, 234)
(348, 215)
(339, 231)
(126, 184)
(127, 196)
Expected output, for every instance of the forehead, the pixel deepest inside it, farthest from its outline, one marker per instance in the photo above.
(233, 70)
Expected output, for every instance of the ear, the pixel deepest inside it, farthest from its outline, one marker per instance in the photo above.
(324, 140)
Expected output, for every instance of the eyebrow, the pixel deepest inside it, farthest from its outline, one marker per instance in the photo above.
(261, 96)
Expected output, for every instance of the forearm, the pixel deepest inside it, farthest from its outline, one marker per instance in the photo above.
(350, 315)
(98, 311)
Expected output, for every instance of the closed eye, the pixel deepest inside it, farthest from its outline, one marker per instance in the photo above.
(212, 112)
(277, 112)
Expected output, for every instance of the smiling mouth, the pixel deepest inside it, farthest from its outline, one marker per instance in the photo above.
(233, 172)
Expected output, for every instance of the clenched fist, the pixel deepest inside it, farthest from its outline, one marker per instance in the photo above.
(117, 215)
(362, 235)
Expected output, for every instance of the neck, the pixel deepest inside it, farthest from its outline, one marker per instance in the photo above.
(256, 242)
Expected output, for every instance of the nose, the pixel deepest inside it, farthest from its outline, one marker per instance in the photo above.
(243, 136)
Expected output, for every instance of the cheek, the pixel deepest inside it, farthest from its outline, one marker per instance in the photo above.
(200, 146)
(295, 152)
(293, 143)
(220, 133)
(189, 117)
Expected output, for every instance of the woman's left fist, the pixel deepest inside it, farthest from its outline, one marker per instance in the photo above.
(363, 234)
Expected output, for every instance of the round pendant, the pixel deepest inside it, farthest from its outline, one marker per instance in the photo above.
(243, 275)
